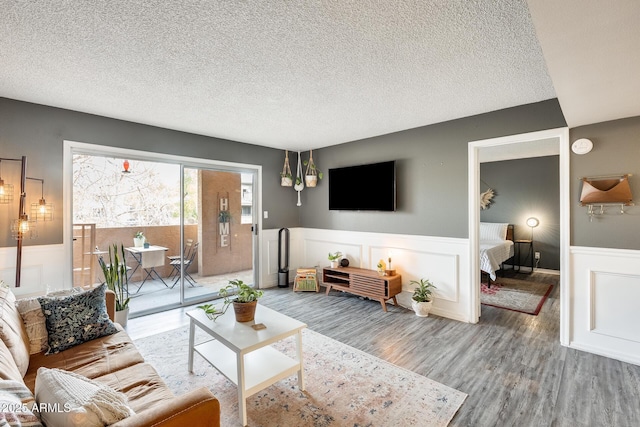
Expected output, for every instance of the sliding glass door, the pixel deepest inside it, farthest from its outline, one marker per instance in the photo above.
(186, 229)
(218, 231)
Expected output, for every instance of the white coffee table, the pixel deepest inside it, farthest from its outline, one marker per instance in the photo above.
(244, 355)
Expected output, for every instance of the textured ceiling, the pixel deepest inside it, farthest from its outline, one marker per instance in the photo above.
(275, 73)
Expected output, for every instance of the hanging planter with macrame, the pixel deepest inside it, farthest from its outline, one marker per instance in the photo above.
(312, 173)
(286, 178)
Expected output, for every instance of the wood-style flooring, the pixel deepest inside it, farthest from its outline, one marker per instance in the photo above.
(510, 364)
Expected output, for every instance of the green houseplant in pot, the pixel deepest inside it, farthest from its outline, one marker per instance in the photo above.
(115, 276)
(422, 300)
(139, 239)
(334, 258)
(312, 173)
(243, 297)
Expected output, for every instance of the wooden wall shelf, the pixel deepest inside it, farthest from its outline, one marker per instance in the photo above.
(363, 282)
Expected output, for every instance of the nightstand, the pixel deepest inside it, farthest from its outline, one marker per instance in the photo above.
(517, 254)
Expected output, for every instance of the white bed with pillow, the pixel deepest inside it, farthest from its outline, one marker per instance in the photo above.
(496, 246)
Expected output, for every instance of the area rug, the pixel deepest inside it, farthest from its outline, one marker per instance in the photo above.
(515, 295)
(344, 386)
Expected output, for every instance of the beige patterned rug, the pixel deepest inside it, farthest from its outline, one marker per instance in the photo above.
(344, 386)
(516, 295)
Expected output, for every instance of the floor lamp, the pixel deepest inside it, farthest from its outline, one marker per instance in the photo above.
(23, 226)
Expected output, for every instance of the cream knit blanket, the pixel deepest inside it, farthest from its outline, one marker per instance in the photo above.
(108, 405)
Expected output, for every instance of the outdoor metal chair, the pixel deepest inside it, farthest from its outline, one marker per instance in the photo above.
(188, 260)
(187, 251)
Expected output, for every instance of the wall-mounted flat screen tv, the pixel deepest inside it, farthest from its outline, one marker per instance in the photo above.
(370, 187)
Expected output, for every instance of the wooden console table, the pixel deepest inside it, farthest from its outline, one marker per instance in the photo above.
(363, 282)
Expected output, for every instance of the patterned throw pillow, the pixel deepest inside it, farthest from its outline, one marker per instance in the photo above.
(34, 320)
(76, 319)
(17, 405)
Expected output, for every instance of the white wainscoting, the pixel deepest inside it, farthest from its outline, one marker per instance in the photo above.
(605, 290)
(444, 261)
(42, 269)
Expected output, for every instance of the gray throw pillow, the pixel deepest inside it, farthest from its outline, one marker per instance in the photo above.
(76, 319)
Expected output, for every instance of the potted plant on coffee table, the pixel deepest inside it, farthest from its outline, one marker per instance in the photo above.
(115, 276)
(244, 299)
(422, 300)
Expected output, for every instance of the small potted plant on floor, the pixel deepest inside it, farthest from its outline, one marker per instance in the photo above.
(422, 300)
(115, 276)
(244, 300)
(334, 258)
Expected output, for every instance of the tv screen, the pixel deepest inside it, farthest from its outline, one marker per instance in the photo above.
(369, 187)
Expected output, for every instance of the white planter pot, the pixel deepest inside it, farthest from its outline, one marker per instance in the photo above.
(286, 182)
(311, 180)
(122, 316)
(138, 242)
(422, 309)
(335, 264)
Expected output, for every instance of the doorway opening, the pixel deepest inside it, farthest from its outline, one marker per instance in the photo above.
(554, 142)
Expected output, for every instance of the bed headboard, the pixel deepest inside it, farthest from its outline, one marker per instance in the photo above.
(510, 232)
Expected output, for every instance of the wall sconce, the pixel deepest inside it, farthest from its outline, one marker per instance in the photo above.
(22, 227)
(532, 222)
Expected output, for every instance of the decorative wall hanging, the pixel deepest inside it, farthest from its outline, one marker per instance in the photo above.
(485, 199)
(224, 220)
(299, 186)
(286, 179)
(605, 190)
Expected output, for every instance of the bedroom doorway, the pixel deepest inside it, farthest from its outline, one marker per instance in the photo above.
(553, 142)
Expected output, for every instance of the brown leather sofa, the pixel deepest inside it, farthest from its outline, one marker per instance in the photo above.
(113, 360)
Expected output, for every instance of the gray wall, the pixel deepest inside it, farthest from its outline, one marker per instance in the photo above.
(431, 172)
(616, 150)
(526, 188)
(38, 132)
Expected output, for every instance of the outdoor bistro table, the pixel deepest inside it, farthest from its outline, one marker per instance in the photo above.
(148, 258)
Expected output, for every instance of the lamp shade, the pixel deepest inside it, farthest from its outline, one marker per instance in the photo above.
(533, 222)
(23, 228)
(42, 211)
(6, 192)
